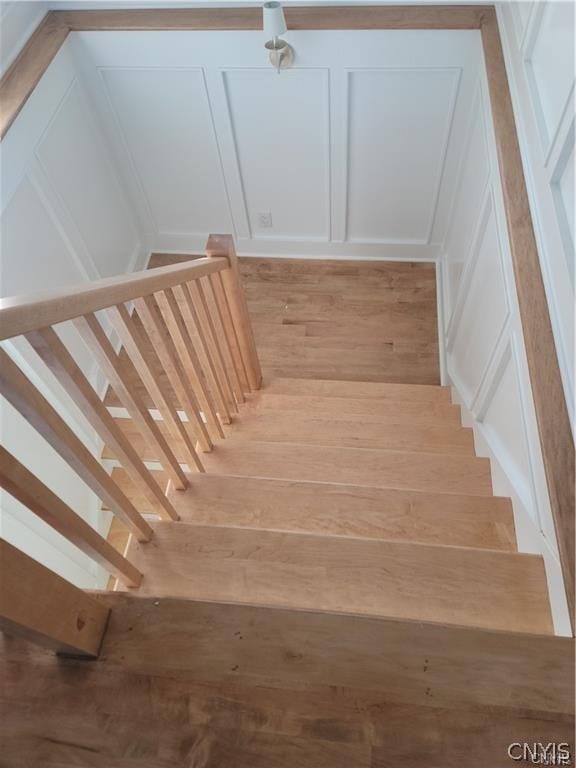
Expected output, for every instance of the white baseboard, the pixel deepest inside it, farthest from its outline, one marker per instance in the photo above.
(302, 249)
(530, 539)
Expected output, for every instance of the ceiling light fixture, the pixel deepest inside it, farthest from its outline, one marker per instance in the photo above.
(281, 54)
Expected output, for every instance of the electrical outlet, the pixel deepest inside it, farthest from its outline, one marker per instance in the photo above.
(265, 220)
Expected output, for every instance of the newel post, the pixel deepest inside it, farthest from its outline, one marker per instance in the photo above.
(42, 607)
(223, 245)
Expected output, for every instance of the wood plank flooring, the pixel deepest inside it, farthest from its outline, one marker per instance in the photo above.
(360, 321)
(62, 713)
(339, 510)
(362, 466)
(450, 585)
(372, 321)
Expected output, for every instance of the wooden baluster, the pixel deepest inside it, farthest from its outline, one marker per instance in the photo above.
(136, 346)
(149, 313)
(217, 315)
(223, 245)
(231, 331)
(20, 483)
(44, 608)
(53, 352)
(184, 345)
(122, 381)
(24, 396)
(192, 317)
(199, 298)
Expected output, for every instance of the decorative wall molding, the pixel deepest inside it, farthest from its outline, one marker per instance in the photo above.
(542, 163)
(506, 482)
(315, 200)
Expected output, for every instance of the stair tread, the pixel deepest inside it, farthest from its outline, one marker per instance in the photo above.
(357, 389)
(296, 427)
(362, 466)
(351, 409)
(280, 426)
(342, 510)
(502, 590)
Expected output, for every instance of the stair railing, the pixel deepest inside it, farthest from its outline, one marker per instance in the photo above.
(187, 350)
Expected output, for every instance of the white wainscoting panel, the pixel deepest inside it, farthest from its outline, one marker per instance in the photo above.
(399, 126)
(540, 66)
(484, 353)
(352, 153)
(280, 126)
(481, 316)
(549, 62)
(18, 21)
(167, 125)
(504, 428)
(78, 166)
(471, 188)
(65, 219)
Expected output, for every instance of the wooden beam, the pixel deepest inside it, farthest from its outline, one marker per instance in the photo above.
(552, 416)
(200, 299)
(33, 60)
(407, 661)
(247, 19)
(20, 314)
(135, 342)
(45, 608)
(38, 412)
(51, 349)
(161, 337)
(193, 319)
(216, 301)
(19, 482)
(123, 380)
(171, 311)
(223, 245)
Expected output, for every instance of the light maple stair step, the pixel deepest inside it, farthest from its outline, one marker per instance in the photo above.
(450, 585)
(361, 466)
(352, 409)
(296, 427)
(271, 426)
(412, 470)
(339, 510)
(357, 389)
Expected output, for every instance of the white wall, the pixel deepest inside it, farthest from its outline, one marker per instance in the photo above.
(538, 41)
(377, 144)
(18, 20)
(351, 153)
(484, 354)
(65, 218)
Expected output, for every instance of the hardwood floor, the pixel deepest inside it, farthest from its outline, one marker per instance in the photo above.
(341, 590)
(208, 702)
(372, 321)
(360, 321)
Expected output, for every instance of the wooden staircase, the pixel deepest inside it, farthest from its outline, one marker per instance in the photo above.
(348, 498)
(328, 547)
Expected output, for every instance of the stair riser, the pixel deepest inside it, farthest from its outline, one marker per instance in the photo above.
(404, 661)
(339, 510)
(381, 469)
(271, 427)
(459, 586)
(357, 390)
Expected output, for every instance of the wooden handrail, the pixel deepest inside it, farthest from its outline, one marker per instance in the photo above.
(20, 483)
(171, 360)
(45, 608)
(22, 77)
(22, 314)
